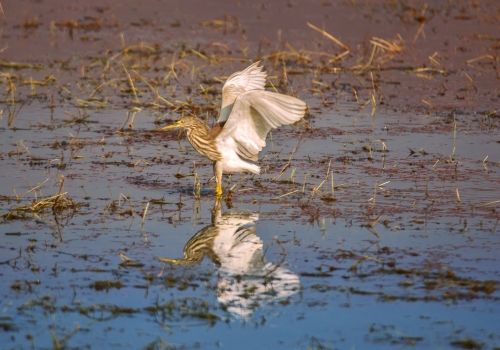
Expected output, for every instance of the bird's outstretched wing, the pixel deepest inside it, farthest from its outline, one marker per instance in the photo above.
(254, 114)
(252, 78)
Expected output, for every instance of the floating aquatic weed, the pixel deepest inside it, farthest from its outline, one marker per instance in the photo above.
(7, 325)
(106, 285)
(468, 343)
(127, 262)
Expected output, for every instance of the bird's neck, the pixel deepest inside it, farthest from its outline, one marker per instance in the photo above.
(199, 130)
(203, 141)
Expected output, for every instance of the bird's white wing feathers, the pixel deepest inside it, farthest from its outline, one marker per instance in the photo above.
(254, 114)
(252, 78)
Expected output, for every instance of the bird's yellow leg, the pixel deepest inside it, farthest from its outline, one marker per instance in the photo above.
(218, 178)
(218, 190)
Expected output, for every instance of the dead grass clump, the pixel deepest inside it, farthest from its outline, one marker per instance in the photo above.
(30, 23)
(58, 203)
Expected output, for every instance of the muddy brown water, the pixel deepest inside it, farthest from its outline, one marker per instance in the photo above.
(382, 231)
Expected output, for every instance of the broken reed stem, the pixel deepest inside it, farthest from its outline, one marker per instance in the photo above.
(458, 195)
(283, 195)
(374, 194)
(369, 61)
(227, 182)
(236, 184)
(331, 37)
(328, 170)
(485, 204)
(154, 90)
(470, 79)
(316, 189)
(468, 62)
(131, 83)
(12, 89)
(45, 201)
(304, 185)
(292, 179)
(270, 82)
(420, 30)
(454, 139)
(15, 194)
(287, 165)
(32, 188)
(144, 212)
(125, 198)
(61, 187)
(333, 187)
(281, 172)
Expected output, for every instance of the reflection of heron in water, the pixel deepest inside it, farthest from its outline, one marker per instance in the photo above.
(245, 277)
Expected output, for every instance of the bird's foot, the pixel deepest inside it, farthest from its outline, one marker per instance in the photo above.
(218, 190)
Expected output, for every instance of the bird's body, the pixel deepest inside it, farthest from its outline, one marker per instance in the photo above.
(248, 113)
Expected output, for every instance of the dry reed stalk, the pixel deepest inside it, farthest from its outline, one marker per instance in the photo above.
(304, 185)
(397, 46)
(485, 204)
(470, 79)
(368, 63)
(33, 188)
(143, 215)
(491, 57)
(329, 36)
(236, 184)
(433, 60)
(429, 104)
(283, 195)
(131, 83)
(429, 69)
(3, 14)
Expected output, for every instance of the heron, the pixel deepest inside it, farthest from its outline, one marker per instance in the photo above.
(247, 114)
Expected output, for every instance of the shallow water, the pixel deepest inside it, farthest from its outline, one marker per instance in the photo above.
(316, 275)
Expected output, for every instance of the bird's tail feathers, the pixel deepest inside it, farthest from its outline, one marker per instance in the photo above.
(253, 168)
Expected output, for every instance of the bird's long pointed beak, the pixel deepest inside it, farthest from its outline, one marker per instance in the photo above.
(168, 260)
(171, 126)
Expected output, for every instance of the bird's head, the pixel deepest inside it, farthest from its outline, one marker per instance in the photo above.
(188, 122)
